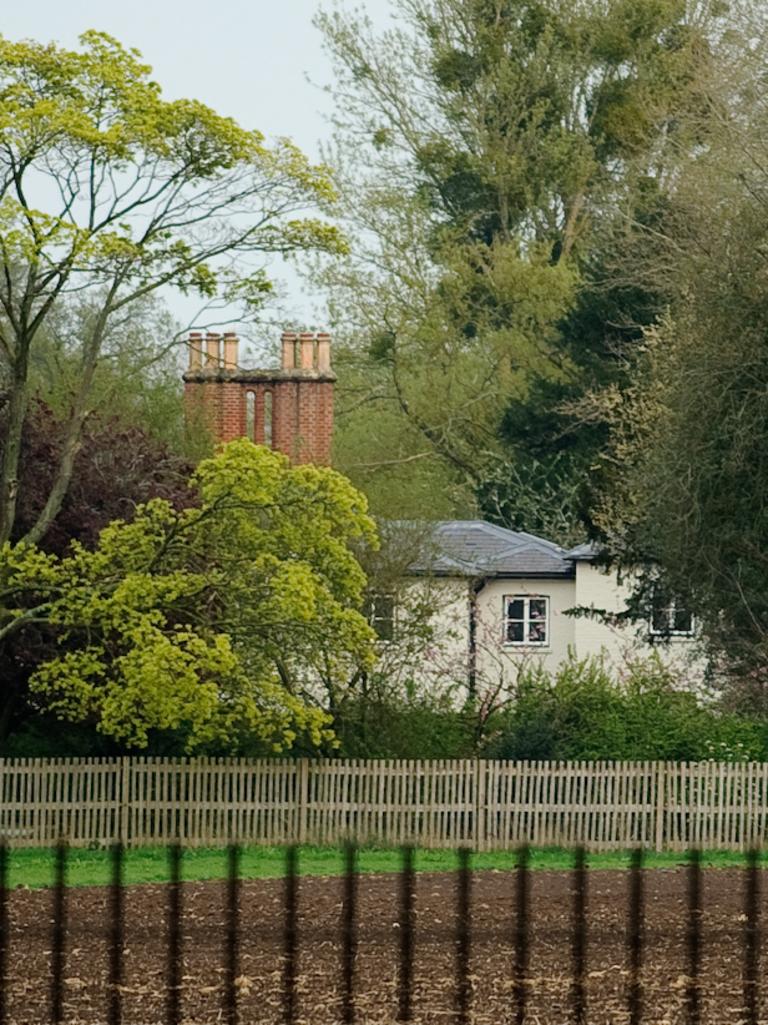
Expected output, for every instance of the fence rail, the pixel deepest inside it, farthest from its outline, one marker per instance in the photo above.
(487, 805)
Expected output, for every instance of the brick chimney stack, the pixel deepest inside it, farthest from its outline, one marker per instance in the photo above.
(290, 409)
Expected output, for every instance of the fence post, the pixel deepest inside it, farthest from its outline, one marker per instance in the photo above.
(661, 786)
(302, 809)
(479, 816)
(124, 788)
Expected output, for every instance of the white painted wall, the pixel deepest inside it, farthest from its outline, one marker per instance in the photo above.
(443, 660)
(497, 660)
(437, 661)
(599, 589)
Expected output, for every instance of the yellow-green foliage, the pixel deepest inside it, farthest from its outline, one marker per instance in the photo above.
(152, 189)
(211, 621)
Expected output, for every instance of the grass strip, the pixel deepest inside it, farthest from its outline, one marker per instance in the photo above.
(33, 868)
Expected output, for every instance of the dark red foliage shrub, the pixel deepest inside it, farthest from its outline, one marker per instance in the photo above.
(118, 466)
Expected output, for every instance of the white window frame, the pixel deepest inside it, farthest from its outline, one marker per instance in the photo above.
(526, 599)
(670, 611)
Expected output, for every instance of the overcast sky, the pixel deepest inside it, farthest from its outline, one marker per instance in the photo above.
(248, 60)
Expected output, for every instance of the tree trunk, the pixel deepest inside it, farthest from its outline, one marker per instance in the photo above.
(74, 429)
(9, 466)
(61, 481)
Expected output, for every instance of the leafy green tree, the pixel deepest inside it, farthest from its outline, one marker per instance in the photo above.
(107, 189)
(137, 379)
(485, 148)
(117, 467)
(683, 484)
(215, 621)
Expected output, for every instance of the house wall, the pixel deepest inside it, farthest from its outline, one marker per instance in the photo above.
(444, 659)
(439, 607)
(497, 660)
(600, 589)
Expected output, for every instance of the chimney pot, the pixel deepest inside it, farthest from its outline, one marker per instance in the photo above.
(323, 351)
(288, 340)
(231, 343)
(212, 350)
(195, 350)
(307, 339)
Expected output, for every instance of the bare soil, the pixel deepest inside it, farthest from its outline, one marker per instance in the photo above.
(319, 985)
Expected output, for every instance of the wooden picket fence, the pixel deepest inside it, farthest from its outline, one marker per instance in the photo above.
(487, 805)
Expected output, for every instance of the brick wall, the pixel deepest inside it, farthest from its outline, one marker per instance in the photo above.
(301, 399)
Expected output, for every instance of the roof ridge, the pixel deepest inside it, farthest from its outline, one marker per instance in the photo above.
(551, 546)
(503, 533)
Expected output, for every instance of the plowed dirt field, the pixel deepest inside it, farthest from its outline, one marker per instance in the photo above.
(319, 985)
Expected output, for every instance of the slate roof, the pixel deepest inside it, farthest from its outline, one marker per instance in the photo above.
(474, 548)
(586, 552)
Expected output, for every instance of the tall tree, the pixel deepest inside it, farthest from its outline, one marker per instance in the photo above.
(684, 482)
(213, 620)
(110, 190)
(137, 378)
(487, 149)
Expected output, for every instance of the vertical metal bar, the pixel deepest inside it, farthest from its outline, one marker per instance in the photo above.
(4, 932)
(635, 936)
(349, 930)
(579, 949)
(751, 938)
(117, 934)
(232, 971)
(173, 1005)
(290, 944)
(58, 937)
(522, 934)
(693, 995)
(405, 978)
(463, 938)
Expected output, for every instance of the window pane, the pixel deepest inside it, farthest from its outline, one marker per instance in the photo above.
(380, 612)
(660, 619)
(683, 621)
(538, 608)
(537, 632)
(514, 608)
(515, 633)
(384, 628)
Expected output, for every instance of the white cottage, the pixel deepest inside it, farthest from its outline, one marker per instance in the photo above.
(498, 599)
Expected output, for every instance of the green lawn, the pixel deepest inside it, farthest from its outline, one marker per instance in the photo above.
(34, 868)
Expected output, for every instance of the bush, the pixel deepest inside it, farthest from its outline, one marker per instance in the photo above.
(388, 723)
(583, 712)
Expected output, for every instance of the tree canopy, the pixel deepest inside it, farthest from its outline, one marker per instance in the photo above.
(214, 621)
(491, 156)
(683, 484)
(110, 191)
